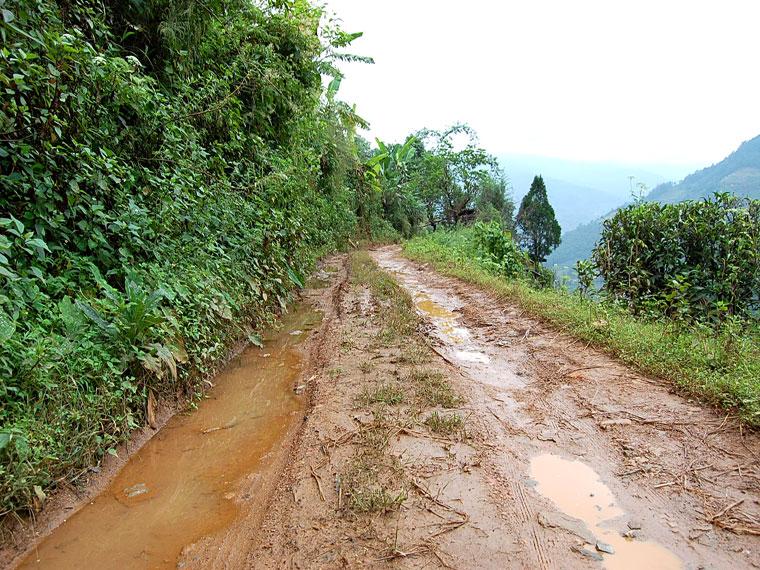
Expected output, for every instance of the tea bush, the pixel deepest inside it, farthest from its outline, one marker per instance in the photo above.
(689, 261)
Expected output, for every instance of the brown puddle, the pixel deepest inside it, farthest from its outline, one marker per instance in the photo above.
(577, 491)
(446, 322)
(182, 485)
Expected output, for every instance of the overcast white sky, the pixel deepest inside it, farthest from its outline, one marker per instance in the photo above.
(658, 81)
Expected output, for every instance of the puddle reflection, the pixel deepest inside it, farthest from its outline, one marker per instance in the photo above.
(576, 489)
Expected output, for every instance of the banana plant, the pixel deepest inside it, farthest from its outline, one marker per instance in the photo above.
(390, 165)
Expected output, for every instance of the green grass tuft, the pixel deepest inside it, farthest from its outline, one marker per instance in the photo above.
(388, 394)
(445, 424)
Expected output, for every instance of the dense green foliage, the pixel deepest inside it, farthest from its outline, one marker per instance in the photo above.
(720, 367)
(168, 172)
(462, 181)
(389, 172)
(498, 251)
(536, 223)
(439, 178)
(691, 260)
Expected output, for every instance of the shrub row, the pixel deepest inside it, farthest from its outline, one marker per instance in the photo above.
(691, 260)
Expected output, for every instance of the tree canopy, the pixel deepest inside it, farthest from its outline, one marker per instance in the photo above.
(436, 178)
(536, 223)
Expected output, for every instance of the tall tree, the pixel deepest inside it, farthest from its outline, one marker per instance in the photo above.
(462, 170)
(537, 226)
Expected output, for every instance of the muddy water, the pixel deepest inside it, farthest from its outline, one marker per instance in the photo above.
(479, 358)
(184, 483)
(576, 489)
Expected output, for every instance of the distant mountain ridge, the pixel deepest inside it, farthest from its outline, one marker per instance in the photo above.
(738, 173)
(581, 191)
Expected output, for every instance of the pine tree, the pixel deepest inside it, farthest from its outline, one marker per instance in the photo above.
(538, 228)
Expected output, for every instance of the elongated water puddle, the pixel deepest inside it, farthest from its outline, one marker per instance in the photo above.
(182, 485)
(577, 491)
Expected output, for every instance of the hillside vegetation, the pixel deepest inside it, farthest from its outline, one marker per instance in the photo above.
(169, 172)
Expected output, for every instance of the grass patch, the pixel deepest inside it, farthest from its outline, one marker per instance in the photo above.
(719, 368)
(399, 318)
(388, 394)
(372, 485)
(446, 424)
(414, 353)
(375, 500)
(433, 389)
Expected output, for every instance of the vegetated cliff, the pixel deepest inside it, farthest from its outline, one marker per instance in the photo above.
(168, 170)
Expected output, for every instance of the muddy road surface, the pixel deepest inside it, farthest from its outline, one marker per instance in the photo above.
(565, 458)
(423, 424)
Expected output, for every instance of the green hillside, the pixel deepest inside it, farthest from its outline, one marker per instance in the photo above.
(738, 173)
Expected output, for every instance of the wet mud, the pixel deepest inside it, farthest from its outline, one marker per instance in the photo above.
(590, 462)
(185, 483)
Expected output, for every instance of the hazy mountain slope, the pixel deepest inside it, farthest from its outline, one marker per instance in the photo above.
(577, 244)
(582, 191)
(738, 173)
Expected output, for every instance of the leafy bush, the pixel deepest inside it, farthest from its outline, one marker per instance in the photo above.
(498, 249)
(585, 271)
(691, 261)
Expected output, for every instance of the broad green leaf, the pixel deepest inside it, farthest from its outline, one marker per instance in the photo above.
(333, 87)
(96, 318)
(295, 278)
(7, 327)
(255, 339)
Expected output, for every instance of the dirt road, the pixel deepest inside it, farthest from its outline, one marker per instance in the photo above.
(564, 459)
(442, 429)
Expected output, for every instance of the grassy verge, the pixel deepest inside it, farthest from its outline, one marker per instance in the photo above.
(720, 369)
